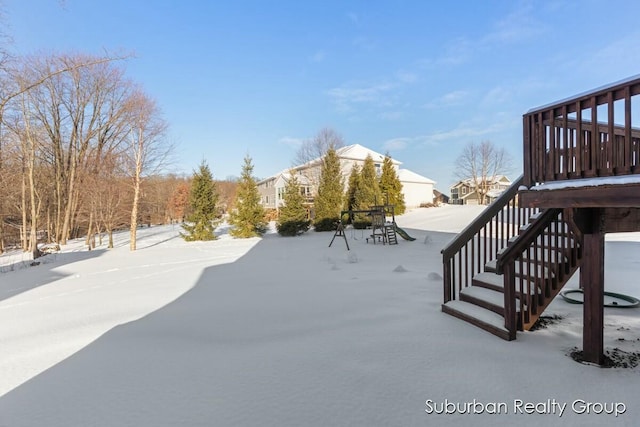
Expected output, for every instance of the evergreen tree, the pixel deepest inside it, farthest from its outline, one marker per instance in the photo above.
(368, 192)
(354, 183)
(248, 217)
(203, 199)
(292, 219)
(391, 187)
(328, 201)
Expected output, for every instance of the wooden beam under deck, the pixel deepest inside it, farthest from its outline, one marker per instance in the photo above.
(607, 196)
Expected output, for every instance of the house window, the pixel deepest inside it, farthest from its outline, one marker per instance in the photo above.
(464, 190)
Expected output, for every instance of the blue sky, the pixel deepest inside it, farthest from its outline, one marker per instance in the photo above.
(417, 79)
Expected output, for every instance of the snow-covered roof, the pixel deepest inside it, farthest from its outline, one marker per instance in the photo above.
(496, 180)
(359, 152)
(405, 175)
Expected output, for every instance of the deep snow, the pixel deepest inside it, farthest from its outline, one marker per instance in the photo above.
(290, 332)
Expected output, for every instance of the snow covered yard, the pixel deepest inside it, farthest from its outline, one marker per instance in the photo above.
(290, 332)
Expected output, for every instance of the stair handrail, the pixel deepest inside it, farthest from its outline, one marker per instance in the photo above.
(506, 262)
(524, 240)
(487, 215)
(460, 242)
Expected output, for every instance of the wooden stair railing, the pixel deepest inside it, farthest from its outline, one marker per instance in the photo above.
(468, 253)
(536, 265)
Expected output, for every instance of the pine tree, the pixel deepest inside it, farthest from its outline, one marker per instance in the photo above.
(248, 217)
(203, 199)
(328, 201)
(292, 219)
(391, 187)
(354, 183)
(368, 192)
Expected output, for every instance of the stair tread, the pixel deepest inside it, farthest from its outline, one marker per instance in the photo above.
(490, 279)
(478, 313)
(484, 294)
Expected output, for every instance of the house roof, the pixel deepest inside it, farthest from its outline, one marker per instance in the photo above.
(359, 152)
(350, 152)
(469, 181)
(405, 175)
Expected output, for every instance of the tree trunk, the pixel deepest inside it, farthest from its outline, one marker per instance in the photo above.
(23, 227)
(134, 216)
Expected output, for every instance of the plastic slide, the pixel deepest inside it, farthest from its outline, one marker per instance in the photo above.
(403, 233)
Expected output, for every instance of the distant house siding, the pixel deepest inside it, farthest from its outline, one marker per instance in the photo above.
(416, 188)
(417, 193)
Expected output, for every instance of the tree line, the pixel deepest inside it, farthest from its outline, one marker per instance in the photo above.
(83, 152)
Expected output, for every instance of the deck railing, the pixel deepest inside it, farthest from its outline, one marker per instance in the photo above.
(590, 135)
(470, 251)
(536, 266)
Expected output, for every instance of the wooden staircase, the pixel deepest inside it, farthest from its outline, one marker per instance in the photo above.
(505, 268)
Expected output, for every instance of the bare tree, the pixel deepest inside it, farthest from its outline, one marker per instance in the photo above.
(71, 102)
(317, 147)
(314, 150)
(481, 164)
(147, 151)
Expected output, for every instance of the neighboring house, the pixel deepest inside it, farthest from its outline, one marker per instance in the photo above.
(440, 198)
(416, 188)
(465, 192)
(272, 189)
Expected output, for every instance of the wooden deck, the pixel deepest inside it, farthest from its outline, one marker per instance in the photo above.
(581, 180)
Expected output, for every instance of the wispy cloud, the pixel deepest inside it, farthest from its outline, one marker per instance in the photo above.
(396, 144)
(354, 17)
(468, 131)
(519, 25)
(318, 56)
(364, 43)
(406, 77)
(348, 96)
(450, 99)
(603, 62)
(291, 142)
(391, 115)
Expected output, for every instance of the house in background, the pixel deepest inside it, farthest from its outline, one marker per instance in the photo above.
(440, 198)
(464, 192)
(272, 189)
(417, 190)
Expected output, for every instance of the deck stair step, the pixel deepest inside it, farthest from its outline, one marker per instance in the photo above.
(478, 316)
(542, 272)
(494, 282)
(484, 297)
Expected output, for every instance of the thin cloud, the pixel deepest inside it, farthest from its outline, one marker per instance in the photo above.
(462, 133)
(455, 98)
(347, 97)
(291, 142)
(519, 25)
(318, 56)
(396, 144)
(391, 115)
(364, 43)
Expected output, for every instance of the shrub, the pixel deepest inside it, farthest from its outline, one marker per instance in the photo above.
(292, 228)
(326, 224)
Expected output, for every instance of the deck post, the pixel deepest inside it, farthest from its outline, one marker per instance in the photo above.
(592, 284)
(510, 321)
